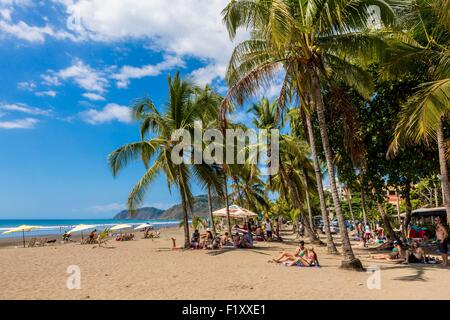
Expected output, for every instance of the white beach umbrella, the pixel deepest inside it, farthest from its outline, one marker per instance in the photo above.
(121, 227)
(22, 229)
(81, 228)
(142, 226)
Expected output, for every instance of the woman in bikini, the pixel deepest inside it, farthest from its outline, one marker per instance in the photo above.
(286, 256)
(396, 253)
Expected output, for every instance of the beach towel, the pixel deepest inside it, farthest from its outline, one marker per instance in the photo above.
(288, 264)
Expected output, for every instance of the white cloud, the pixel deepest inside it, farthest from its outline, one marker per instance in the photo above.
(185, 28)
(27, 123)
(111, 112)
(24, 31)
(93, 96)
(23, 108)
(128, 72)
(6, 14)
(50, 80)
(208, 74)
(49, 93)
(83, 75)
(106, 208)
(26, 85)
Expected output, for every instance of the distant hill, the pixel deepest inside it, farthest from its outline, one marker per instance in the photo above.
(147, 213)
(200, 208)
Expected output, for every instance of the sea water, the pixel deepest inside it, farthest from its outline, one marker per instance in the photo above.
(59, 227)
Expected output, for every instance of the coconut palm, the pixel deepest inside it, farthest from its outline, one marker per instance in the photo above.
(307, 39)
(293, 160)
(425, 115)
(185, 105)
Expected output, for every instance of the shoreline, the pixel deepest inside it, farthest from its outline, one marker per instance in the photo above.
(151, 269)
(16, 242)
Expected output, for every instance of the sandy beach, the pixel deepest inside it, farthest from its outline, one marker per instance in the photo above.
(150, 269)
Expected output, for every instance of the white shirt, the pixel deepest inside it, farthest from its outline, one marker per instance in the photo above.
(268, 226)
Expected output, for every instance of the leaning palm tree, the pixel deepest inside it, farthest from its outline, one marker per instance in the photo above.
(307, 39)
(425, 115)
(155, 150)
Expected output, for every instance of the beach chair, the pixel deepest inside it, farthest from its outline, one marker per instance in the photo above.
(41, 242)
(32, 243)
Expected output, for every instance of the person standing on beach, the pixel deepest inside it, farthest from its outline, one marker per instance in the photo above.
(442, 239)
(268, 229)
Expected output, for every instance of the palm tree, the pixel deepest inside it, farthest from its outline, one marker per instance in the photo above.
(184, 106)
(307, 39)
(425, 115)
(292, 156)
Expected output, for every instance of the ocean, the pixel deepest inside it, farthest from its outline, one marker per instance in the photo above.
(58, 227)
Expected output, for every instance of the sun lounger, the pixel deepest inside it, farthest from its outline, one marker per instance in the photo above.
(32, 243)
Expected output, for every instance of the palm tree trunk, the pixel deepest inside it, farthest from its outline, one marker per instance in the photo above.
(407, 193)
(436, 199)
(331, 247)
(397, 194)
(296, 199)
(363, 205)
(444, 169)
(210, 208)
(350, 261)
(308, 202)
(187, 242)
(384, 217)
(350, 206)
(227, 205)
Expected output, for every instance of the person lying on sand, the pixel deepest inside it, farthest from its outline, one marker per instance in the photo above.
(396, 253)
(299, 252)
(308, 260)
(415, 254)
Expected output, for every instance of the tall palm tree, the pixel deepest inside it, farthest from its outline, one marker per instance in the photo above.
(155, 149)
(307, 39)
(268, 117)
(425, 115)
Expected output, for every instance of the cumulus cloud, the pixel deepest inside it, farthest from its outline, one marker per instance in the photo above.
(81, 74)
(23, 108)
(49, 93)
(185, 28)
(111, 112)
(128, 72)
(93, 96)
(26, 85)
(27, 123)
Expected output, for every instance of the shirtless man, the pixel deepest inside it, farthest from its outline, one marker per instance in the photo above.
(415, 254)
(442, 238)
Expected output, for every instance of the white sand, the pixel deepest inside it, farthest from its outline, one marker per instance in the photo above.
(146, 269)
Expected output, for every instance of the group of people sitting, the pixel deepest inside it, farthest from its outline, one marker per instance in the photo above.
(149, 233)
(125, 237)
(302, 256)
(208, 241)
(413, 254)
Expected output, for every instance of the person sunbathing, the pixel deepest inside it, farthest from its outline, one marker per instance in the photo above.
(415, 254)
(396, 253)
(309, 259)
(286, 256)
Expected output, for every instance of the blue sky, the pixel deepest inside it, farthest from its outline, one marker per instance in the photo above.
(70, 69)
